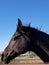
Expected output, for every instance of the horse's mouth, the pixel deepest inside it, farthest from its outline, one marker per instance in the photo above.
(9, 58)
(7, 61)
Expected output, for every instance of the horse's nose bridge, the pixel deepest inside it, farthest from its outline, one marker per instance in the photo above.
(10, 52)
(6, 54)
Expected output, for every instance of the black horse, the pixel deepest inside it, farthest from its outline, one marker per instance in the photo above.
(27, 39)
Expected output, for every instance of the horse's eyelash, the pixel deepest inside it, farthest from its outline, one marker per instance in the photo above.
(17, 37)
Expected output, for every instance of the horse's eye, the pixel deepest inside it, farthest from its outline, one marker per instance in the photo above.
(17, 37)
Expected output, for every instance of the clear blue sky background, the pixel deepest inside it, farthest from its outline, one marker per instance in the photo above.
(34, 11)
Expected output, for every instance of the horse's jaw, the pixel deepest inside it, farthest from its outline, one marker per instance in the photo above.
(9, 58)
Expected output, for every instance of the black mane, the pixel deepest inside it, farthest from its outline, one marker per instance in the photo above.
(35, 31)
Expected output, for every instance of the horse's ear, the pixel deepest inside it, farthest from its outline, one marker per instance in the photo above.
(19, 25)
(29, 24)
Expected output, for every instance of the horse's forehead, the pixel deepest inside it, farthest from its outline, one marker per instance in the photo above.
(12, 40)
(16, 33)
(11, 43)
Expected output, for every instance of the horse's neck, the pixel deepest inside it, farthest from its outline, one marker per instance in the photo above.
(41, 53)
(41, 40)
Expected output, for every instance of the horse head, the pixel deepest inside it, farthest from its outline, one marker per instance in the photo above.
(19, 44)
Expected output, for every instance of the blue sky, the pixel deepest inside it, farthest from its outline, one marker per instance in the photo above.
(34, 11)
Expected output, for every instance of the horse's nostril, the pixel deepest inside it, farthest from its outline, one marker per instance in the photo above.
(2, 56)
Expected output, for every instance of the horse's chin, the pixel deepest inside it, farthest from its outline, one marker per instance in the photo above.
(7, 60)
